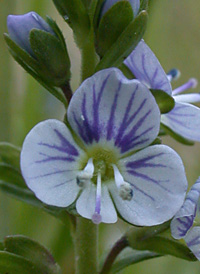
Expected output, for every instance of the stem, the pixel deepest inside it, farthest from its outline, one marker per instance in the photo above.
(117, 248)
(89, 59)
(86, 246)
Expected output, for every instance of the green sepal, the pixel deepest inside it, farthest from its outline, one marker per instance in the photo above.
(11, 263)
(30, 65)
(75, 13)
(153, 239)
(164, 101)
(126, 43)
(111, 26)
(144, 5)
(36, 254)
(126, 71)
(174, 135)
(9, 174)
(9, 154)
(52, 57)
(130, 257)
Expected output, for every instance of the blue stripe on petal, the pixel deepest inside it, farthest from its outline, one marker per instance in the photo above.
(159, 184)
(193, 241)
(110, 108)
(184, 218)
(49, 163)
(184, 119)
(147, 69)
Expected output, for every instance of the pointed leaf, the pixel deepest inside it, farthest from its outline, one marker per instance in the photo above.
(164, 100)
(11, 175)
(39, 256)
(111, 26)
(126, 43)
(9, 154)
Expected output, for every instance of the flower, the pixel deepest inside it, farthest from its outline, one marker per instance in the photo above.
(183, 221)
(104, 154)
(184, 118)
(135, 4)
(19, 27)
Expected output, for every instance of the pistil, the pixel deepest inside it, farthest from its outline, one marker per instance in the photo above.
(192, 83)
(125, 190)
(96, 218)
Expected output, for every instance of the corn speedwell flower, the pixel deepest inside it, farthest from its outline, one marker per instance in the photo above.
(115, 120)
(182, 223)
(184, 118)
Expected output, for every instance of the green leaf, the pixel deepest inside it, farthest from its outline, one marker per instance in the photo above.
(126, 43)
(52, 57)
(111, 26)
(130, 257)
(10, 154)
(144, 4)
(175, 135)
(13, 264)
(10, 175)
(39, 256)
(165, 101)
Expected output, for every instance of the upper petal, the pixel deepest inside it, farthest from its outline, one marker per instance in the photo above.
(184, 119)
(159, 184)
(145, 66)
(184, 218)
(85, 204)
(108, 107)
(109, 3)
(192, 240)
(49, 163)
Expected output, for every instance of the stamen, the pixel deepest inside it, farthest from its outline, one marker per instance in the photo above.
(96, 217)
(85, 175)
(192, 83)
(173, 74)
(125, 190)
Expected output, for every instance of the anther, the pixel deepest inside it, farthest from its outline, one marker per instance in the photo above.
(125, 189)
(85, 175)
(192, 83)
(96, 217)
(173, 74)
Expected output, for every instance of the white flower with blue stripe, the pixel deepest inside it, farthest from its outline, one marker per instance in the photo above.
(184, 118)
(185, 223)
(102, 160)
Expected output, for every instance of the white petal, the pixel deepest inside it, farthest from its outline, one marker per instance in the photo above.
(85, 204)
(193, 241)
(159, 184)
(184, 218)
(109, 108)
(49, 163)
(147, 69)
(184, 119)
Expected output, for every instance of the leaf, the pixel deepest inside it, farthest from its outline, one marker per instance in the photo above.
(130, 257)
(13, 264)
(165, 101)
(39, 256)
(10, 175)
(111, 26)
(176, 136)
(144, 4)
(9, 154)
(125, 44)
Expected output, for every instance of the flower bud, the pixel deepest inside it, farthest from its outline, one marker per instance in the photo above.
(19, 27)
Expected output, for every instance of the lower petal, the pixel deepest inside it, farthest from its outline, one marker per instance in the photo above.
(159, 184)
(85, 204)
(184, 119)
(192, 240)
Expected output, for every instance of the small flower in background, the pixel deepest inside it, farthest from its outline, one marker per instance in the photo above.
(20, 26)
(183, 224)
(103, 160)
(135, 4)
(184, 118)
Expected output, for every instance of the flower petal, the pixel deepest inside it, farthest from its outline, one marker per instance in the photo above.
(85, 204)
(147, 69)
(108, 107)
(49, 163)
(159, 184)
(184, 218)
(109, 3)
(184, 119)
(192, 240)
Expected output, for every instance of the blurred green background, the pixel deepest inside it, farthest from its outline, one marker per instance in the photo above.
(174, 35)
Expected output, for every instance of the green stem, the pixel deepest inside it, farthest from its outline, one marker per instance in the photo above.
(86, 246)
(89, 59)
